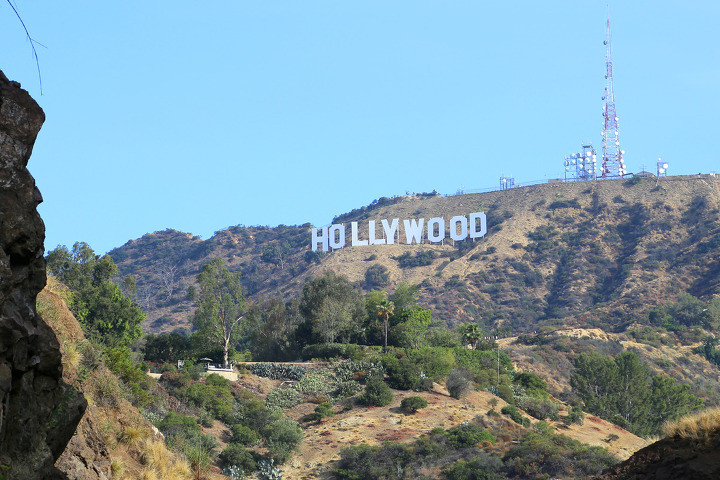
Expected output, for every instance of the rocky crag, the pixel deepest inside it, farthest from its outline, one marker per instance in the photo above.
(38, 411)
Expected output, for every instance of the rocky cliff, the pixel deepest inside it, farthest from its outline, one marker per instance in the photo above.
(38, 412)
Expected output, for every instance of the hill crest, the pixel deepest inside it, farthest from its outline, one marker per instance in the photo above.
(557, 251)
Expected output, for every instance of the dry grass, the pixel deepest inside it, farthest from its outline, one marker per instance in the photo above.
(73, 356)
(163, 463)
(117, 468)
(134, 435)
(149, 474)
(702, 426)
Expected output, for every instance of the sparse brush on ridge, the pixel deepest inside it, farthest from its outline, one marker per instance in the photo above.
(702, 426)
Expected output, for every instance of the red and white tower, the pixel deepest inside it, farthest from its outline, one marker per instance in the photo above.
(612, 159)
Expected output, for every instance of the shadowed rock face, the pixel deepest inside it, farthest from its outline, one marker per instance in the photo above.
(670, 459)
(38, 412)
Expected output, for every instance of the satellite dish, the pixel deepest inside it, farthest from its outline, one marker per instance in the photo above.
(665, 165)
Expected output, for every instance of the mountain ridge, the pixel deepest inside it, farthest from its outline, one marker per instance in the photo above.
(571, 251)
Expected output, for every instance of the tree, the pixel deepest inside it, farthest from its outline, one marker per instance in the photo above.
(276, 254)
(107, 312)
(412, 327)
(405, 296)
(220, 306)
(384, 310)
(166, 348)
(624, 391)
(471, 333)
(333, 319)
(314, 308)
(271, 325)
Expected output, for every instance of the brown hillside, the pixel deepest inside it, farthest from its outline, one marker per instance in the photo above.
(112, 440)
(563, 253)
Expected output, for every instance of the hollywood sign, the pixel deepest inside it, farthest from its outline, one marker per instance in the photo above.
(416, 229)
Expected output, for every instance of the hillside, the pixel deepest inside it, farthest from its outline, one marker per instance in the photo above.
(559, 254)
(112, 440)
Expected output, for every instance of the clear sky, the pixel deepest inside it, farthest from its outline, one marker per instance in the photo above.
(202, 115)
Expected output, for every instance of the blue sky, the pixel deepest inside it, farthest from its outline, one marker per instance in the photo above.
(202, 115)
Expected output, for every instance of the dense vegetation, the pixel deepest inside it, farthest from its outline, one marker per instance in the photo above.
(468, 451)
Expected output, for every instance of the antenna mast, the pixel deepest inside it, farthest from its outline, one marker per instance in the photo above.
(612, 159)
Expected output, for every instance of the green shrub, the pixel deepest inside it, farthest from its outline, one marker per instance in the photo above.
(436, 363)
(457, 383)
(323, 410)
(482, 467)
(505, 392)
(532, 383)
(205, 419)
(405, 375)
(575, 415)
(216, 380)
(282, 437)
(413, 404)
(515, 415)
(377, 393)
(177, 423)
(236, 455)
(552, 456)
(468, 435)
(244, 435)
(539, 408)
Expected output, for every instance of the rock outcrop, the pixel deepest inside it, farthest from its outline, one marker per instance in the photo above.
(38, 411)
(671, 459)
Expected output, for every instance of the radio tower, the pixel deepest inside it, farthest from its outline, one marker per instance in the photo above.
(612, 159)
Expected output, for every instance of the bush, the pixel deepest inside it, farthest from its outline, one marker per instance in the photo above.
(412, 404)
(436, 363)
(281, 438)
(236, 455)
(515, 415)
(244, 435)
(377, 393)
(468, 435)
(532, 383)
(177, 423)
(506, 393)
(482, 467)
(323, 410)
(540, 408)
(575, 415)
(403, 374)
(457, 383)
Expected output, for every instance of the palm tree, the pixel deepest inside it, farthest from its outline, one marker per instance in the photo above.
(471, 333)
(384, 310)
